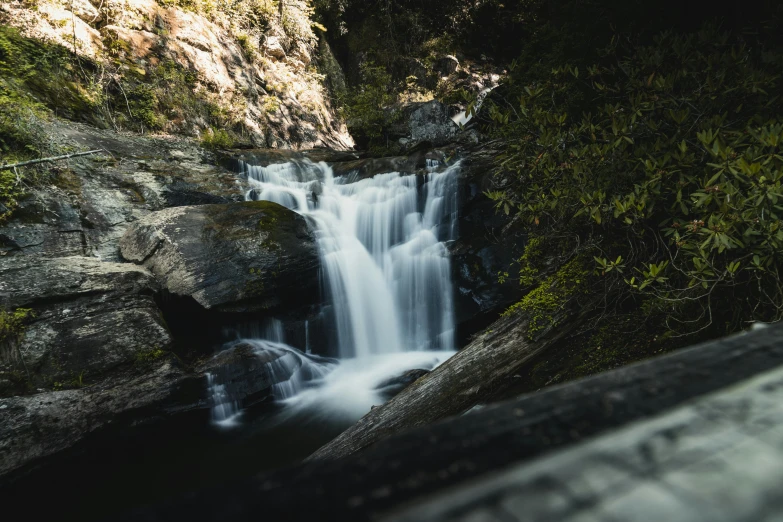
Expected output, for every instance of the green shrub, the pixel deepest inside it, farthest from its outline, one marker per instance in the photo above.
(666, 161)
(143, 103)
(216, 139)
(367, 107)
(12, 324)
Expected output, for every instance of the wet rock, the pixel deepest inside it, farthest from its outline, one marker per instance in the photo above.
(185, 197)
(239, 257)
(486, 246)
(89, 318)
(89, 204)
(244, 371)
(394, 385)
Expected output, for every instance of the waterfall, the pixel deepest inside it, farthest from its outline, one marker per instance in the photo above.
(386, 275)
(386, 267)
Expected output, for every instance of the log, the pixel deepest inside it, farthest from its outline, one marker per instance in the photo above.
(451, 468)
(49, 159)
(485, 368)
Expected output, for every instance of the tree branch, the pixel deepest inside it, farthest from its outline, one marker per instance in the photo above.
(50, 159)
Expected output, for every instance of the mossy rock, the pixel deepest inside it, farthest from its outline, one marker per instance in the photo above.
(237, 257)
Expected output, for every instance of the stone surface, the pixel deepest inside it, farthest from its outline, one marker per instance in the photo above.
(446, 65)
(244, 371)
(487, 245)
(424, 121)
(273, 48)
(391, 387)
(36, 426)
(269, 85)
(89, 318)
(239, 257)
(91, 200)
(144, 393)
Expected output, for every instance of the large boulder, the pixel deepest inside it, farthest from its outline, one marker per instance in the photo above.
(239, 257)
(424, 121)
(446, 65)
(36, 426)
(84, 209)
(87, 318)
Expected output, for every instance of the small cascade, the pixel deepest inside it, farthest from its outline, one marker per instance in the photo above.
(308, 350)
(225, 410)
(463, 117)
(285, 371)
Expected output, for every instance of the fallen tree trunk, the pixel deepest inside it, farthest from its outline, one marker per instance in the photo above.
(422, 467)
(489, 365)
(50, 159)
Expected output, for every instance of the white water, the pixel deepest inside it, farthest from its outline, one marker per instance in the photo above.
(463, 117)
(386, 273)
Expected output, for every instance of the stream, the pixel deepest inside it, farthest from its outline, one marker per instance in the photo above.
(387, 317)
(386, 279)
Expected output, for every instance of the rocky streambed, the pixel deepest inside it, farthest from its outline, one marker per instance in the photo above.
(136, 264)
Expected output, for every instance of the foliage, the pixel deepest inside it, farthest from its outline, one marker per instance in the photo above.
(21, 134)
(216, 139)
(667, 159)
(149, 356)
(12, 324)
(143, 103)
(366, 107)
(551, 296)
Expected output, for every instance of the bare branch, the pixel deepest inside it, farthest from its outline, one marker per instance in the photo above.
(50, 159)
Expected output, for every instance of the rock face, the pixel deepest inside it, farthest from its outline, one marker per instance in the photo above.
(89, 318)
(93, 199)
(274, 48)
(239, 257)
(486, 246)
(446, 65)
(265, 78)
(244, 371)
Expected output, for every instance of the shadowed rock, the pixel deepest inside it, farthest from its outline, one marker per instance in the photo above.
(88, 318)
(239, 257)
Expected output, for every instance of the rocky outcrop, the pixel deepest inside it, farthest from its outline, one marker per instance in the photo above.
(243, 370)
(156, 389)
(238, 257)
(446, 65)
(246, 77)
(87, 319)
(87, 203)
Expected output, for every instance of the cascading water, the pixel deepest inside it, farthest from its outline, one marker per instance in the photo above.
(386, 273)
